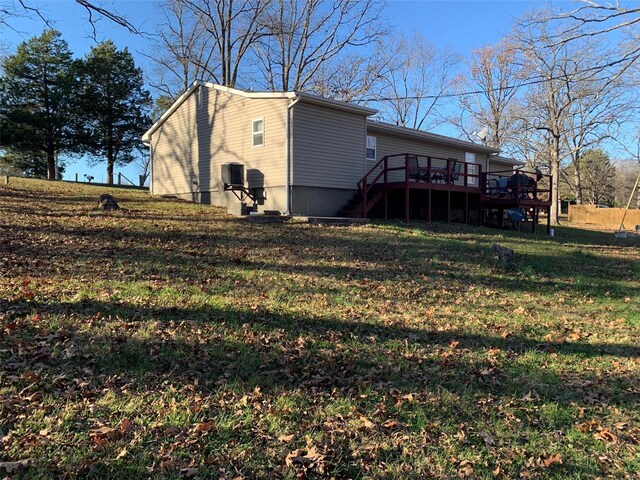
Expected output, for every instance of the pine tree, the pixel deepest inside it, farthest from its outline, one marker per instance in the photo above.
(114, 106)
(36, 102)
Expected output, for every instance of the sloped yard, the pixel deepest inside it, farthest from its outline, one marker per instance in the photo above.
(168, 340)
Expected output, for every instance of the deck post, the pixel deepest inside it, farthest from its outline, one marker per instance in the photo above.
(406, 189)
(448, 206)
(535, 218)
(466, 206)
(548, 220)
(429, 210)
(386, 190)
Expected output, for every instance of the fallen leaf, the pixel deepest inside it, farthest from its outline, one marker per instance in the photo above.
(204, 426)
(392, 424)
(605, 435)
(105, 431)
(367, 423)
(125, 425)
(286, 438)
(557, 458)
(121, 454)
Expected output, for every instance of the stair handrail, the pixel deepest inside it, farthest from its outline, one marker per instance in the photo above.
(364, 185)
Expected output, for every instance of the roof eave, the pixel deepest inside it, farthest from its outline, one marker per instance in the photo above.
(432, 137)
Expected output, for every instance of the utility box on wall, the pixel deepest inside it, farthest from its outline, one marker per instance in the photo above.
(233, 174)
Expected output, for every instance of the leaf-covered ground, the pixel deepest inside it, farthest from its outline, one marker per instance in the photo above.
(169, 340)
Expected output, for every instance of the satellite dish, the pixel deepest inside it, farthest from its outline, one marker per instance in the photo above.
(482, 134)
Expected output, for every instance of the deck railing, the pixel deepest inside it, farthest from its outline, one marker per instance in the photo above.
(410, 168)
(517, 184)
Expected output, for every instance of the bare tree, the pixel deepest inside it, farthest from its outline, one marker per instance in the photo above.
(597, 19)
(419, 76)
(302, 38)
(493, 74)
(555, 67)
(599, 108)
(181, 50)
(12, 9)
(233, 27)
(352, 78)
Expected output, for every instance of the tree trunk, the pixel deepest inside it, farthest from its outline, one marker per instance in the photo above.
(555, 179)
(577, 179)
(51, 164)
(110, 172)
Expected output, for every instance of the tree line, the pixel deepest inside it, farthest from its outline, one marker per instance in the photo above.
(54, 107)
(551, 93)
(555, 92)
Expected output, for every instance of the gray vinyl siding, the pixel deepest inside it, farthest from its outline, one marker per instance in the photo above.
(328, 147)
(213, 127)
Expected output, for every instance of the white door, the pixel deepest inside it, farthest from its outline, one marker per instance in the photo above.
(471, 169)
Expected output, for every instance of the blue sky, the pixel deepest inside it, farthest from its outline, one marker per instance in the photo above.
(461, 25)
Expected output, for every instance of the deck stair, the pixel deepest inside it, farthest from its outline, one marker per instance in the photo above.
(354, 208)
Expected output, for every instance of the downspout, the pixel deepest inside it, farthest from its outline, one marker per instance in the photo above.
(288, 154)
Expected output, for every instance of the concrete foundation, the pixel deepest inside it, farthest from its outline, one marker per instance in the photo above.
(320, 202)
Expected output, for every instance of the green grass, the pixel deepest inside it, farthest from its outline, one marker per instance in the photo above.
(169, 340)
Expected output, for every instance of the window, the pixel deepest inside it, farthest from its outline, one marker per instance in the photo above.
(257, 132)
(371, 148)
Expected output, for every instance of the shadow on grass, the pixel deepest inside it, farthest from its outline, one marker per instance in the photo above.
(370, 254)
(335, 354)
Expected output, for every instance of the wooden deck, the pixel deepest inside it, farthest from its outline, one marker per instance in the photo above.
(397, 176)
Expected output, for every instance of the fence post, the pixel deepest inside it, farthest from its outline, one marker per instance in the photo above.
(6, 180)
(119, 178)
(76, 176)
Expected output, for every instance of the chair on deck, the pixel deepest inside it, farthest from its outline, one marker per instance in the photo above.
(415, 171)
(448, 176)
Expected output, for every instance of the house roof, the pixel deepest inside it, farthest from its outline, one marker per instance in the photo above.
(335, 104)
(304, 97)
(507, 160)
(431, 137)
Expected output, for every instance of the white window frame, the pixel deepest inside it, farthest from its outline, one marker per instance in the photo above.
(254, 133)
(371, 144)
(470, 157)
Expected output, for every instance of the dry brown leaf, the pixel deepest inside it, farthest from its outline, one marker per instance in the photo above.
(557, 458)
(121, 454)
(366, 422)
(605, 435)
(286, 438)
(204, 426)
(106, 432)
(392, 424)
(125, 425)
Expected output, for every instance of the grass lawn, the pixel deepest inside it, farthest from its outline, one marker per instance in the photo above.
(168, 340)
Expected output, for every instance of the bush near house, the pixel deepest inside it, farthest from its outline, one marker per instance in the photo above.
(168, 340)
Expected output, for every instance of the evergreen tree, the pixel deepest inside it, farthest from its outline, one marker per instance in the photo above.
(36, 102)
(114, 106)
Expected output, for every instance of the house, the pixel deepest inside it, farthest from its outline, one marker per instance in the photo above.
(302, 154)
